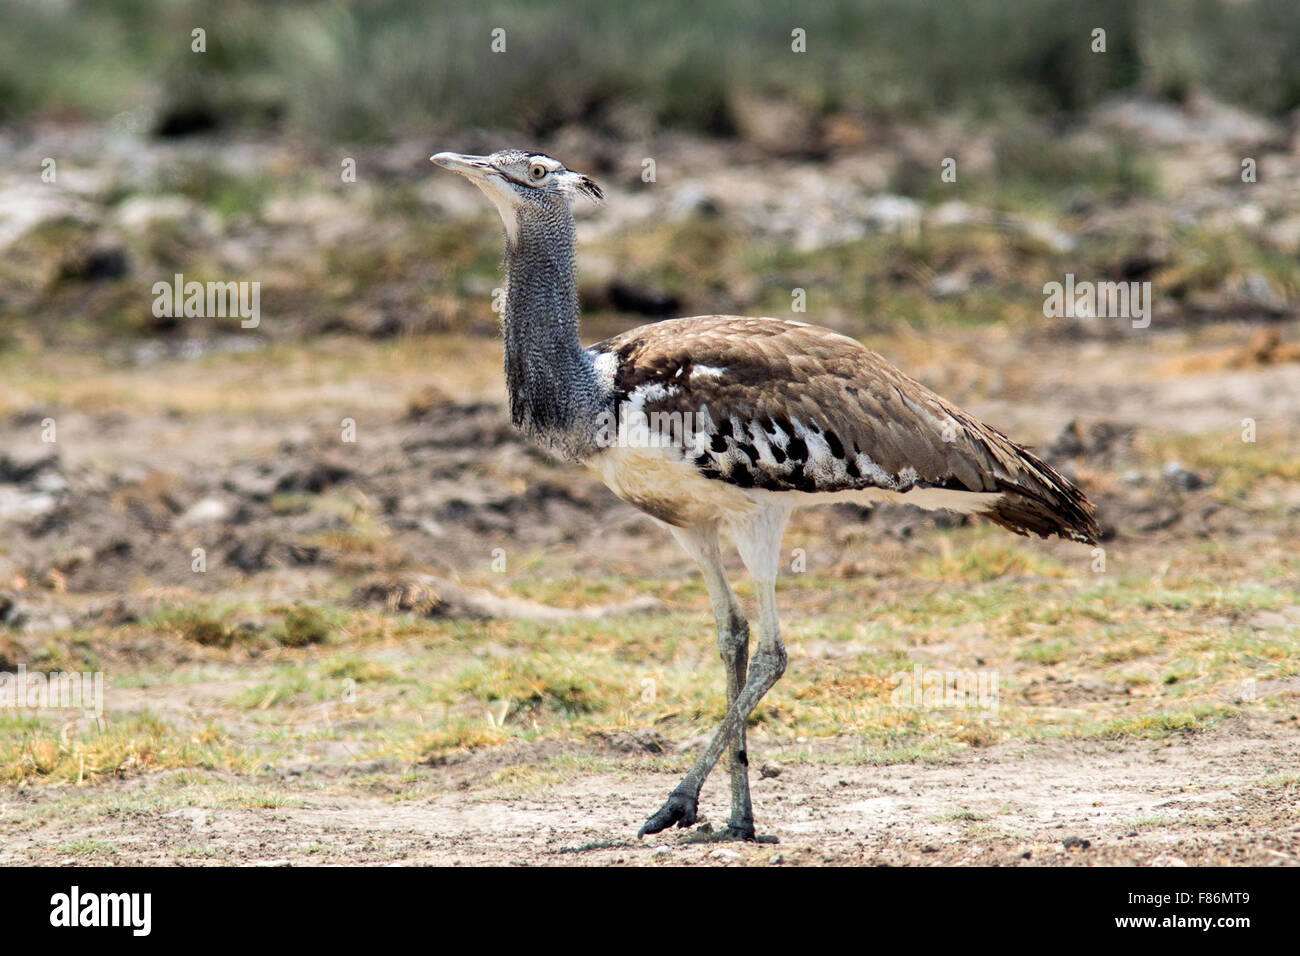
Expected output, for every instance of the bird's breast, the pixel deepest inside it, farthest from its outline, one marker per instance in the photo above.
(665, 485)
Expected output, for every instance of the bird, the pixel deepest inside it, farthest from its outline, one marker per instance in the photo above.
(723, 423)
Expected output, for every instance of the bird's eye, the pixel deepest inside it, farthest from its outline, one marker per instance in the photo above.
(538, 171)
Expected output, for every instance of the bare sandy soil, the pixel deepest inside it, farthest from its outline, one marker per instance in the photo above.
(1227, 796)
(1182, 802)
(242, 455)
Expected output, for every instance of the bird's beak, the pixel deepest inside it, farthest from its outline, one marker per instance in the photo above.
(475, 167)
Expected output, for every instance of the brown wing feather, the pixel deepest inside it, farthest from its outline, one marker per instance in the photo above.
(795, 407)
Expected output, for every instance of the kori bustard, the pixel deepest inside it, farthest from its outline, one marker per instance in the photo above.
(781, 414)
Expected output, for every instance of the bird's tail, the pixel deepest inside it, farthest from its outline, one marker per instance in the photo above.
(1039, 500)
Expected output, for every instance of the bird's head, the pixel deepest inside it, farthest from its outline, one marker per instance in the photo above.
(522, 184)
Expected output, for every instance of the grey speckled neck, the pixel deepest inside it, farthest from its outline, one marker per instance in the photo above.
(554, 394)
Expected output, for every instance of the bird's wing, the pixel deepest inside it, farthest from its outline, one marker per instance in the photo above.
(787, 406)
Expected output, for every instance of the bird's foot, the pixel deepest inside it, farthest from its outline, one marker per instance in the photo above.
(680, 809)
(730, 834)
(739, 832)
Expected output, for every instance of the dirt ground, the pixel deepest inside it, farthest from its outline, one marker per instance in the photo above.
(499, 720)
(1184, 802)
(1226, 795)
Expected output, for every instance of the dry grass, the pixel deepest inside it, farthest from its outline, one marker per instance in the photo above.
(276, 380)
(1120, 655)
(34, 750)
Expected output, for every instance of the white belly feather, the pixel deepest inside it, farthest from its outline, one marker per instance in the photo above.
(666, 485)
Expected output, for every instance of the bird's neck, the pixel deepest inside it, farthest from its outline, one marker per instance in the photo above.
(554, 394)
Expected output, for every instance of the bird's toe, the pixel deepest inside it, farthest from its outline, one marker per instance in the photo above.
(742, 832)
(680, 809)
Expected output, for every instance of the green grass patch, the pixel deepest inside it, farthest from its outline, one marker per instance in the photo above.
(40, 751)
(1162, 725)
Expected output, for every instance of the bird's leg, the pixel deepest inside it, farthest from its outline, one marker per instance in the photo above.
(733, 643)
(765, 669)
(760, 549)
(733, 647)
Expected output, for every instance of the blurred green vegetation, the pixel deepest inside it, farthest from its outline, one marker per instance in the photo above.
(430, 275)
(371, 69)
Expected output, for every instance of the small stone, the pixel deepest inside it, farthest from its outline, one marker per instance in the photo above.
(1072, 842)
(691, 200)
(207, 511)
(949, 283)
(660, 852)
(1176, 476)
(770, 768)
(727, 856)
